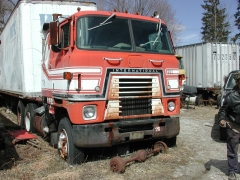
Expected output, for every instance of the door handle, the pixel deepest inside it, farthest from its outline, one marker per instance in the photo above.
(160, 61)
(112, 59)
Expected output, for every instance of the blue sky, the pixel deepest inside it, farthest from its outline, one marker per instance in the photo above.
(189, 15)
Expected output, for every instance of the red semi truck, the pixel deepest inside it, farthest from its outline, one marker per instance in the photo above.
(107, 78)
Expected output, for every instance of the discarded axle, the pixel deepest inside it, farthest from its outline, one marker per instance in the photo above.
(118, 164)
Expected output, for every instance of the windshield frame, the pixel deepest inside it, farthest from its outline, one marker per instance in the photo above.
(131, 46)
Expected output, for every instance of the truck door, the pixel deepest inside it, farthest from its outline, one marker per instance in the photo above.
(61, 59)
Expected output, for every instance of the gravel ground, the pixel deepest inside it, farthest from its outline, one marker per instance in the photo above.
(199, 132)
(198, 155)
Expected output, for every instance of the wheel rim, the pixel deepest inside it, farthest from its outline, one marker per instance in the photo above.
(27, 121)
(63, 144)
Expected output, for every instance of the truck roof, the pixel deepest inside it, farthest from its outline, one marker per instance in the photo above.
(119, 14)
(80, 1)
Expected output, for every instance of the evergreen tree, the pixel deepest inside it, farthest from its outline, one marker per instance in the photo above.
(237, 22)
(215, 27)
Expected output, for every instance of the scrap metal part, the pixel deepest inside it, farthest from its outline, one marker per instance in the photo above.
(160, 147)
(34, 143)
(118, 164)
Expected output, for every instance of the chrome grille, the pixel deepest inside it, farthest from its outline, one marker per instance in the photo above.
(135, 106)
(133, 94)
(134, 87)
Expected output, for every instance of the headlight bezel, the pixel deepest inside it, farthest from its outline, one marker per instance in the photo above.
(89, 112)
(171, 106)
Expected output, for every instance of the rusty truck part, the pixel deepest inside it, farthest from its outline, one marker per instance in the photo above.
(160, 147)
(118, 165)
(119, 132)
(34, 143)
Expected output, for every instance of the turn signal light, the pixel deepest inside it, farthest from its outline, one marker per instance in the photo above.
(182, 76)
(67, 75)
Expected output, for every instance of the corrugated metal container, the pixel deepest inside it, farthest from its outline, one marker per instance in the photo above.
(21, 43)
(207, 63)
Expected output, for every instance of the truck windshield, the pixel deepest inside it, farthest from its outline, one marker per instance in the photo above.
(148, 37)
(114, 35)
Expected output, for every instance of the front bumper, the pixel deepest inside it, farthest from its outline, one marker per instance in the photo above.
(113, 133)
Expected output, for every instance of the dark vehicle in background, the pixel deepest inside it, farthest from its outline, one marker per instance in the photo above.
(228, 86)
(229, 83)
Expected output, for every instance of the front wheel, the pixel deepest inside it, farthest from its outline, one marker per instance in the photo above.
(66, 148)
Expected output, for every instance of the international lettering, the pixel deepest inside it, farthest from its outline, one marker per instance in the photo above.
(136, 70)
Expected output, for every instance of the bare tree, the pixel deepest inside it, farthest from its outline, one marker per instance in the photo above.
(146, 8)
(167, 13)
(143, 7)
(6, 7)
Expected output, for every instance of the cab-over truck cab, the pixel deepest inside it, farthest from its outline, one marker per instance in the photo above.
(108, 78)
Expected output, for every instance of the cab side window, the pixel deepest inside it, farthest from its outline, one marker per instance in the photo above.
(65, 35)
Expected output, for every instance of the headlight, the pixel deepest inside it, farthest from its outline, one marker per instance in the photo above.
(171, 105)
(89, 112)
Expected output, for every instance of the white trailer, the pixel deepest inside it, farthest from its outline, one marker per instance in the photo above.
(21, 44)
(206, 64)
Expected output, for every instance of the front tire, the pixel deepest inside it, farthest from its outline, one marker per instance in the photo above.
(29, 117)
(66, 148)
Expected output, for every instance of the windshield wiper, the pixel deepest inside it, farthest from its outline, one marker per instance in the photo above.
(104, 22)
(159, 31)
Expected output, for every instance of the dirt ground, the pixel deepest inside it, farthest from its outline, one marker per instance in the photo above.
(198, 155)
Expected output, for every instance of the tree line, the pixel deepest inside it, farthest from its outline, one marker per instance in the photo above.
(215, 27)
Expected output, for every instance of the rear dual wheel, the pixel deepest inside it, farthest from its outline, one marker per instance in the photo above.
(20, 114)
(29, 117)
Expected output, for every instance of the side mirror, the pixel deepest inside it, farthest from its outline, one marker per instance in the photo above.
(53, 33)
(53, 29)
